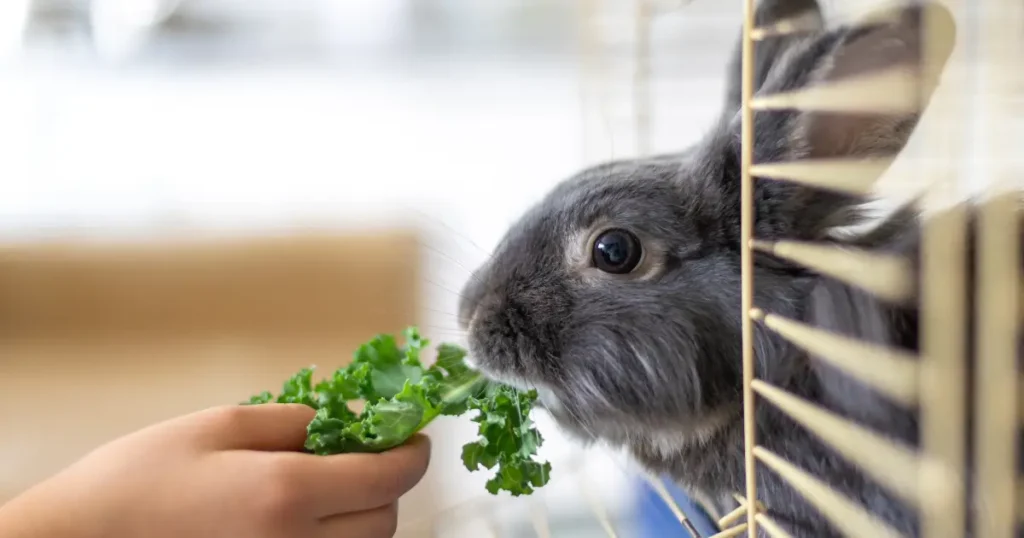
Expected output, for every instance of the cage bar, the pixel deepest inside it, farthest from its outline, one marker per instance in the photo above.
(892, 464)
(747, 259)
(943, 298)
(943, 372)
(848, 516)
(662, 491)
(891, 371)
(998, 270)
(773, 529)
(995, 347)
(886, 276)
(852, 176)
(728, 519)
(890, 91)
(733, 532)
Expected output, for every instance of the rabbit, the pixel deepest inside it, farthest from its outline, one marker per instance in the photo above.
(617, 295)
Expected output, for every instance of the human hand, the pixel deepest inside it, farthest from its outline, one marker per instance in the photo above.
(234, 471)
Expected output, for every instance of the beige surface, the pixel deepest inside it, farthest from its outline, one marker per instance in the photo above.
(98, 340)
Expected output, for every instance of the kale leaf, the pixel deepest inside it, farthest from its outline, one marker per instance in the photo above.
(402, 396)
(507, 439)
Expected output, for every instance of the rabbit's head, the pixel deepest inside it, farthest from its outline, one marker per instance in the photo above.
(617, 296)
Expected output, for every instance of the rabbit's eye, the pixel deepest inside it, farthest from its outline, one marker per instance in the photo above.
(616, 251)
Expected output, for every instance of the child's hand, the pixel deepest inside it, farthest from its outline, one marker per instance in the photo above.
(221, 473)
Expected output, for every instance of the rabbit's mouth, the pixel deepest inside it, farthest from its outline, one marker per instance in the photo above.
(546, 397)
(500, 376)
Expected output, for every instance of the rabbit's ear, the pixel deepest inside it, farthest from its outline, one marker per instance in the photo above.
(856, 91)
(850, 93)
(784, 23)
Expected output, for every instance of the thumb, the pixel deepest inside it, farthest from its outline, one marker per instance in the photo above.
(270, 427)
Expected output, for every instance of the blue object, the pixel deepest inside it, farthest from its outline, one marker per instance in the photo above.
(656, 520)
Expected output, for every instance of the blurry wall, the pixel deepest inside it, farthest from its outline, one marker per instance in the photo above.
(99, 339)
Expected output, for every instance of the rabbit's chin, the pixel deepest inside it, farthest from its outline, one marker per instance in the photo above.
(664, 441)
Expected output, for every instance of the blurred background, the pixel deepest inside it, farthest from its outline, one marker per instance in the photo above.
(200, 197)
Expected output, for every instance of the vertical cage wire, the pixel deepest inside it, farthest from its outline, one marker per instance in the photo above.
(943, 306)
(747, 262)
(998, 254)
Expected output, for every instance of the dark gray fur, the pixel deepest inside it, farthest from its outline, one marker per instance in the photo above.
(637, 362)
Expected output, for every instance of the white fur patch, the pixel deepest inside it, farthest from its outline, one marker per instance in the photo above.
(668, 443)
(874, 213)
(549, 399)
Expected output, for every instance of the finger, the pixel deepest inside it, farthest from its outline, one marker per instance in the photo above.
(256, 427)
(380, 522)
(356, 482)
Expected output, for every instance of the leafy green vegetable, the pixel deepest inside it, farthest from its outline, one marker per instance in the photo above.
(402, 397)
(507, 439)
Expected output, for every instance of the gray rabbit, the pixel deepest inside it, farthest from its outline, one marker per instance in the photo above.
(617, 296)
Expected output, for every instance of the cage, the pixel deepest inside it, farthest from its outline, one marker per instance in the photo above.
(960, 172)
